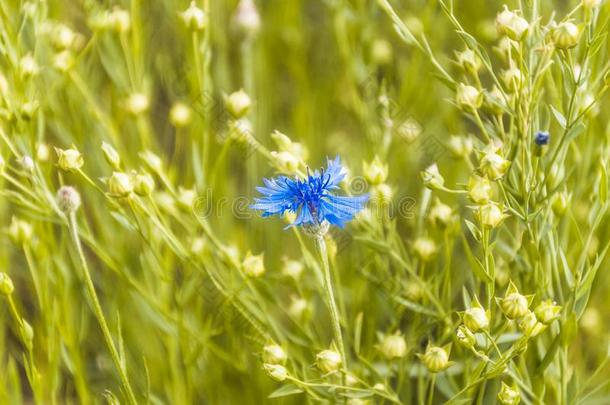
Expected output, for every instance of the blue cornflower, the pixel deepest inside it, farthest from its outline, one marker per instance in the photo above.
(310, 198)
(542, 138)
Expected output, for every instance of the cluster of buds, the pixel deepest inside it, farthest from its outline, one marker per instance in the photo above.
(515, 306)
(253, 265)
(274, 354)
(290, 155)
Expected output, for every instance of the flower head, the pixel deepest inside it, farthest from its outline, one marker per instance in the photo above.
(310, 198)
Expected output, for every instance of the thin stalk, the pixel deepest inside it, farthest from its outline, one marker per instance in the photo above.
(99, 314)
(332, 305)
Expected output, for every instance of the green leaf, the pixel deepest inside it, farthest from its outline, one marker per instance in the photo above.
(286, 390)
(558, 116)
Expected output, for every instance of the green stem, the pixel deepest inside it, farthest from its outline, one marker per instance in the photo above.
(332, 305)
(97, 309)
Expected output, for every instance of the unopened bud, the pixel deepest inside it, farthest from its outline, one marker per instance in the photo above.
(494, 166)
(292, 268)
(547, 311)
(69, 160)
(468, 97)
(509, 395)
(566, 35)
(440, 214)
(137, 103)
(6, 284)
(393, 346)
(436, 359)
(120, 184)
(328, 361)
(432, 178)
(511, 24)
(529, 325)
(274, 354)
(475, 318)
(468, 60)
(409, 130)
(68, 199)
(276, 371)
(465, 337)
(238, 104)
(246, 17)
(20, 231)
(144, 184)
(425, 248)
(180, 115)
(479, 189)
(490, 214)
(194, 17)
(27, 333)
(513, 305)
(375, 172)
(253, 265)
(111, 156)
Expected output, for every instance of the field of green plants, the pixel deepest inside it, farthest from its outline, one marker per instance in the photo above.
(304, 201)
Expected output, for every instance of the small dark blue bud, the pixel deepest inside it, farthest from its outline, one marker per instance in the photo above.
(542, 138)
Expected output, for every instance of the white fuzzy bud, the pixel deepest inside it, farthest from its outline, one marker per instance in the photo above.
(68, 199)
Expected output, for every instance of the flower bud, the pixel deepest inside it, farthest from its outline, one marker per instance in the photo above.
(26, 163)
(529, 325)
(246, 18)
(475, 318)
(152, 161)
(495, 101)
(20, 231)
(6, 284)
(381, 52)
(274, 354)
(542, 138)
(432, 177)
(424, 248)
(511, 24)
(298, 307)
(440, 214)
(276, 371)
(186, 198)
(494, 166)
(547, 311)
(285, 162)
(63, 37)
(238, 103)
(393, 346)
(68, 199)
(120, 184)
(436, 358)
(513, 305)
(565, 35)
(490, 214)
(63, 61)
(42, 152)
(144, 184)
(180, 115)
(111, 156)
(382, 194)
(197, 246)
(328, 361)
(194, 17)
(479, 189)
(28, 66)
(27, 333)
(409, 130)
(468, 97)
(292, 268)
(560, 203)
(468, 60)
(508, 395)
(69, 160)
(414, 291)
(119, 19)
(253, 265)
(460, 146)
(465, 337)
(137, 103)
(375, 172)
(512, 79)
